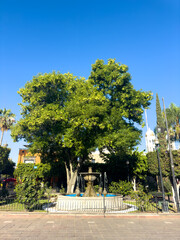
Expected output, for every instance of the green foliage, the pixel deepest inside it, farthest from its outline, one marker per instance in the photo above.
(40, 171)
(8, 168)
(4, 193)
(125, 105)
(152, 160)
(160, 126)
(4, 155)
(165, 163)
(61, 117)
(6, 121)
(139, 164)
(29, 191)
(117, 167)
(6, 165)
(122, 187)
(30, 188)
(96, 188)
(173, 117)
(64, 117)
(48, 191)
(62, 190)
(142, 198)
(167, 185)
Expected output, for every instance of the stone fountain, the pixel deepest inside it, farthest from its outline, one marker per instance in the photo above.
(89, 201)
(90, 177)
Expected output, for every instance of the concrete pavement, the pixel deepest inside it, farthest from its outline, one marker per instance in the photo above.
(125, 227)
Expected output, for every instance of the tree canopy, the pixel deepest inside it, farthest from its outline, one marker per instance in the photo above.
(65, 117)
(173, 117)
(125, 104)
(6, 164)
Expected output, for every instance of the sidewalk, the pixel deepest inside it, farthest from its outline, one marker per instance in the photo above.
(43, 226)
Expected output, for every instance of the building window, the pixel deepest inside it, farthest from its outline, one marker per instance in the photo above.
(29, 159)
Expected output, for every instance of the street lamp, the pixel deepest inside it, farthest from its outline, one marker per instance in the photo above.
(164, 206)
(127, 162)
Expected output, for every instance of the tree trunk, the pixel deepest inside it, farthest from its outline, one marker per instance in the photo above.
(134, 183)
(1, 137)
(173, 196)
(71, 178)
(157, 181)
(177, 187)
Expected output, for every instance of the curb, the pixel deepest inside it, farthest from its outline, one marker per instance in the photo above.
(70, 215)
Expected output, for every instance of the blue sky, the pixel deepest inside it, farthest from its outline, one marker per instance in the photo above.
(68, 36)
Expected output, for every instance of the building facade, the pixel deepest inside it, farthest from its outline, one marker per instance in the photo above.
(26, 157)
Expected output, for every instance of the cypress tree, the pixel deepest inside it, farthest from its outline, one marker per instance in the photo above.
(161, 134)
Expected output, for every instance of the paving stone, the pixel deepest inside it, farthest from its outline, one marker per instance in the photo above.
(48, 227)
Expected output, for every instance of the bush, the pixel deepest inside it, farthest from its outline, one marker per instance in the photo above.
(29, 191)
(167, 185)
(30, 187)
(4, 193)
(122, 187)
(62, 190)
(96, 188)
(142, 198)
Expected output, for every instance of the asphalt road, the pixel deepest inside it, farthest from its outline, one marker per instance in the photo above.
(46, 227)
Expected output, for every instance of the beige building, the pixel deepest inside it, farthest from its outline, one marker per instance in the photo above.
(26, 157)
(96, 158)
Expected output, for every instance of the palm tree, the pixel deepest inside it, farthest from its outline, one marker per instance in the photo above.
(6, 121)
(173, 117)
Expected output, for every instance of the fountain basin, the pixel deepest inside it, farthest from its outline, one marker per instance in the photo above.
(89, 204)
(81, 195)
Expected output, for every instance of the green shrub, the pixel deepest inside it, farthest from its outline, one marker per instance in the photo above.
(96, 188)
(29, 191)
(167, 185)
(122, 187)
(142, 198)
(30, 187)
(62, 190)
(4, 193)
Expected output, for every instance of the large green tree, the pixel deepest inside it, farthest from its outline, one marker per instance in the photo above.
(61, 118)
(125, 105)
(65, 117)
(6, 164)
(4, 155)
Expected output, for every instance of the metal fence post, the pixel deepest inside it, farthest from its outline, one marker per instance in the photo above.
(156, 203)
(48, 204)
(104, 206)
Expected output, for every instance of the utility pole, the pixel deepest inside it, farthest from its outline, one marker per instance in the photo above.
(171, 161)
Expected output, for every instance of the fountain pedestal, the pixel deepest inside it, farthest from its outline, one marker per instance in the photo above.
(90, 178)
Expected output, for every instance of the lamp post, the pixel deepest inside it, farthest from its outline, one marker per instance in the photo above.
(164, 206)
(127, 163)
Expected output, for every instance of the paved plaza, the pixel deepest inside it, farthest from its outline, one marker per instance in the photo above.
(44, 226)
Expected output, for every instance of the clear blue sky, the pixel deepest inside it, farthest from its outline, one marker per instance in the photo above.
(68, 36)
